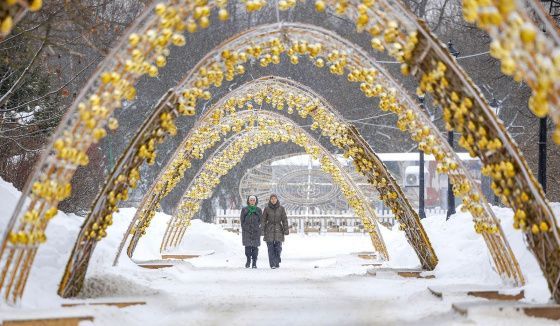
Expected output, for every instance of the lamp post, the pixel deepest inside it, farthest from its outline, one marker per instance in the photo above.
(542, 153)
(496, 105)
(421, 189)
(450, 195)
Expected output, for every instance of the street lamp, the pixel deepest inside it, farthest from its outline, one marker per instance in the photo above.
(421, 189)
(450, 195)
(542, 153)
(496, 105)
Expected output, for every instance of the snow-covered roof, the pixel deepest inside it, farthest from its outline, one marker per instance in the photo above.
(303, 159)
(413, 169)
(399, 157)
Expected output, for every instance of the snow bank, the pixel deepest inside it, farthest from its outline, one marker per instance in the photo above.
(51, 257)
(464, 257)
(9, 196)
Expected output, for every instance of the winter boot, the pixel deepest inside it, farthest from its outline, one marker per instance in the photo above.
(248, 254)
(255, 254)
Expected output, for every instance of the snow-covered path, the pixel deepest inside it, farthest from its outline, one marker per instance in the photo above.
(320, 281)
(336, 292)
(286, 296)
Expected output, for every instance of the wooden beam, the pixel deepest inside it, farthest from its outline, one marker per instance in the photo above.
(187, 255)
(479, 291)
(366, 254)
(178, 256)
(116, 304)
(548, 311)
(155, 266)
(58, 321)
(373, 264)
(415, 274)
(496, 295)
(403, 272)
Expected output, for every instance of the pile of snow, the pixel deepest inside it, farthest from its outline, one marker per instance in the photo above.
(9, 196)
(463, 255)
(113, 285)
(51, 257)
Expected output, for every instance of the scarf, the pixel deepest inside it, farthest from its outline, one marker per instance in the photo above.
(273, 206)
(252, 209)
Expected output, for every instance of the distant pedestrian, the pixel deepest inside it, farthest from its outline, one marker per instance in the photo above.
(251, 217)
(275, 224)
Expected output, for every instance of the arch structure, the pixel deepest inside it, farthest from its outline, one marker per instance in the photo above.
(269, 127)
(267, 43)
(393, 28)
(466, 111)
(73, 278)
(527, 43)
(140, 53)
(282, 93)
(124, 176)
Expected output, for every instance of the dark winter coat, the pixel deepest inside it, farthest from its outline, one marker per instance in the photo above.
(275, 222)
(251, 227)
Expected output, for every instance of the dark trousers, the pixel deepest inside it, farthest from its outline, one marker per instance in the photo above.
(274, 251)
(252, 252)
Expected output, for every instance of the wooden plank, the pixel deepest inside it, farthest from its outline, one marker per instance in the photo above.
(415, 274)
(479, 291)
(155, 266)
(58, 321)
(402, 272)
(172, 256)
(369, 255)
(116, 304)
(548, 311)
(373, 264)
(187, 255)
(496, 295)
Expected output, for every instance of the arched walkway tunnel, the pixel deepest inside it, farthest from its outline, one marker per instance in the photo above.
(196, 93)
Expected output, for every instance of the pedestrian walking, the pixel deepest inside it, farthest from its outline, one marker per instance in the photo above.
(275, 225)
(251, 217)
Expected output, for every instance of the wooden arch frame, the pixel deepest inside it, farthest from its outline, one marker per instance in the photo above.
(282, 130)
(375, 171)
(407, 39)
(503, 258)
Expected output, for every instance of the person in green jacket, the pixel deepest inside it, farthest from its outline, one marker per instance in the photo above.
(251, 217)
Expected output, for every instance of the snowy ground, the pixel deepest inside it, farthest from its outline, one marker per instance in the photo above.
(319, 281)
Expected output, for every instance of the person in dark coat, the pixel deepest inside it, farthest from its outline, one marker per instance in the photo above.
(251, 217)
(275, 224)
